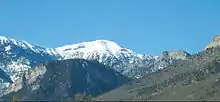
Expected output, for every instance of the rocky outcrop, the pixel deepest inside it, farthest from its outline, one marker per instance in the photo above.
(30, 78)
(214, 43)
(146, 66)
(178, 55)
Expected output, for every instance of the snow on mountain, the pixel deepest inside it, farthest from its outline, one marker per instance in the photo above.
(19, 56)
(103, 47)
(16, 57)
(105, 51)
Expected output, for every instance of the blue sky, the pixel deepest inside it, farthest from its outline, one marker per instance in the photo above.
(145, 26)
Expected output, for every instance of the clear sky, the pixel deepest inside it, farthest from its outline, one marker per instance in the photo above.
(145, 26)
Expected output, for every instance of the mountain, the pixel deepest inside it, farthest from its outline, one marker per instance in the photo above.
(106, 52)
(195, 79)
(61, 80)
(100, 66)
(16, 57)
(21, 55)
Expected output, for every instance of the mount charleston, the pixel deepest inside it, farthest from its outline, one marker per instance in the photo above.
(31, 72)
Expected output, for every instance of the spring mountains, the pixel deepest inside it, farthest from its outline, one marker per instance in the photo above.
(104, 70)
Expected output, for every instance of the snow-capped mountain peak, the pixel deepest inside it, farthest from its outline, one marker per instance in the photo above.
(104, 51)
(99, 47)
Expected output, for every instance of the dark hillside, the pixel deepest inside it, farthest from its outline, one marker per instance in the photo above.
(198, 78)
(61, 80)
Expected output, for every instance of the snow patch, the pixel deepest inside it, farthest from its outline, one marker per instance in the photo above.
(140, 56)
(7, 48)
(156, 57)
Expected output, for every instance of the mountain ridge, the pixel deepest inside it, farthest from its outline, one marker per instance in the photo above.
(151, 73)
(105, 51)
(16, 57)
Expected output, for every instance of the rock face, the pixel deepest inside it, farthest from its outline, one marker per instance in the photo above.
(60, 80)
(214, 43)
(168, 58)
(178, 55)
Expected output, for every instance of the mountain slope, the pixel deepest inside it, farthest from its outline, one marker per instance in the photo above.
(145, 67)
(59, 80)
(195, 79)
(18, 56)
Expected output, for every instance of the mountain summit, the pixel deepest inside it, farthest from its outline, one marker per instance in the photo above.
(89, 47)
(99, 50)
(104, 51)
